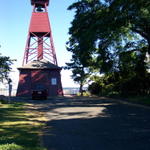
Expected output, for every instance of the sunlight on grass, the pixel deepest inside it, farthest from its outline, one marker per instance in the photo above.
(11, 147)
(20, 127)
(9, 123)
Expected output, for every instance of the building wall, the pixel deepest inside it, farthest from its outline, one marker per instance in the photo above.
(24, 85)
(30, 80)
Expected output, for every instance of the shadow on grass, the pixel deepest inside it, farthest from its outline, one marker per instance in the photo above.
(17, 132)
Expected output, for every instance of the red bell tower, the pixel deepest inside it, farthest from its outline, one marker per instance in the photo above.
(39, 70)
(40, 41)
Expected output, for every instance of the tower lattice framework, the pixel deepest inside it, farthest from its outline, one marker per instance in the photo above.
(39, 43)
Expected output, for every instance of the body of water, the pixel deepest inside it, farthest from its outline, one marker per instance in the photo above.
(66, 90)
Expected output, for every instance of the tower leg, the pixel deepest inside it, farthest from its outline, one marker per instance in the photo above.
(40, 48)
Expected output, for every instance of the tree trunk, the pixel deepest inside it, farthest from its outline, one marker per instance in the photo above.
(81, 89)
(148, 46)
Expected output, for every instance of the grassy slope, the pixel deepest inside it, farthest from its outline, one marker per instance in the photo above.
(19, 130)
(145, 100)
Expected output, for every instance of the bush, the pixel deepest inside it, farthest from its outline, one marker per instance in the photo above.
(10, 147)
(135, 86)
(2, 101)
(95, 88)
(113, 94)
(86, 93)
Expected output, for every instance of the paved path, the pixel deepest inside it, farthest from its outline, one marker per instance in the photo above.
(95, 124)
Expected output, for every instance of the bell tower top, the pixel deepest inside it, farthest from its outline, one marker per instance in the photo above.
(39, 2)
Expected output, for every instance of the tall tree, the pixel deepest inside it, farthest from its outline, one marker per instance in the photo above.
(104, 25)
(132, 15)
(79, 72)
(106, 33)
(5, 67)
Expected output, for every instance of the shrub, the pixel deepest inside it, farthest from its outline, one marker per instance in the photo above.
(95, 88)
(10, 147)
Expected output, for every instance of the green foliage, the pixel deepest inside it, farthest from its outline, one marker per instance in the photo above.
(84, 94)
(5, 67)
(113, 37)
(140, 99)
(3, 101)
(79, 72)
(81, 47)
(95, 88)
(10, 147)
(115, 84)
(104, 85)
(102, 28)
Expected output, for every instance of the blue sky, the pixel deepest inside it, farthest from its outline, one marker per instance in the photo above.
(14, 23)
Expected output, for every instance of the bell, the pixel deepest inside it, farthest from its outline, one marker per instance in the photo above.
(39, 9)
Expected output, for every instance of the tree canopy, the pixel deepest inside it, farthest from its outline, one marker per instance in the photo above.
(5, 67)
(111, 35)
(101, 27)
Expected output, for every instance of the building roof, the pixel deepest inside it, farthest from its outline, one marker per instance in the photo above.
(39, 2)
(40, 64)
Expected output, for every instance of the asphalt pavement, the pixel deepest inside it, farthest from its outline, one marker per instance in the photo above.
(94, 124)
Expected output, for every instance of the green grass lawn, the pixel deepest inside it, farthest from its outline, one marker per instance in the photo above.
(145, 100)
(19, 128)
